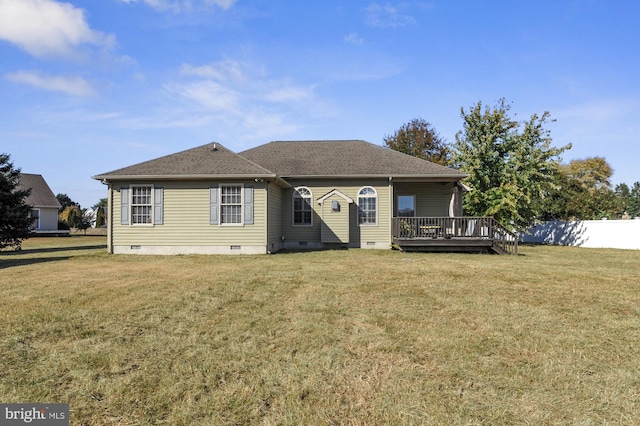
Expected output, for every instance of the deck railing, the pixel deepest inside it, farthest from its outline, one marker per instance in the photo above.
(485, 228)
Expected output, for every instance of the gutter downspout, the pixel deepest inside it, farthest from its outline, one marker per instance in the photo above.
(109, 217)
(266, 217)
(391, 200)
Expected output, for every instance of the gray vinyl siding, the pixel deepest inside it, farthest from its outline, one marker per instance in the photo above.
(186, 215)
(359, 235)
(48, 218)
(432, 199)
(336, 224)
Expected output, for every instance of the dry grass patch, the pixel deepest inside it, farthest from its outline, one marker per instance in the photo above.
(336, 337)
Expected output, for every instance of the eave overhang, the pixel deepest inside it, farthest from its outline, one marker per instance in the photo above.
(106, 178)
(396, 178)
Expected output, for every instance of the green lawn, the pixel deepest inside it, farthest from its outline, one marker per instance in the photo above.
(337, 337)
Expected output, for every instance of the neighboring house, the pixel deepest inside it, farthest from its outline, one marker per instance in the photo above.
(44, 205)
(281, 195)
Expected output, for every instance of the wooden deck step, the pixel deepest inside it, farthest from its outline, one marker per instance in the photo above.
(471, 245)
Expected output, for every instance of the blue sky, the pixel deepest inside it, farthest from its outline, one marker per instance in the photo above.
(89, 86)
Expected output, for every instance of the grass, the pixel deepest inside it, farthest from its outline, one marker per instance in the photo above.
(337, 337)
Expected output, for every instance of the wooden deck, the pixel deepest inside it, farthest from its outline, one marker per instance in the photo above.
(453, 234)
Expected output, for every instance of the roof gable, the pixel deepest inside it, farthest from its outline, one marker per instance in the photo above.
(41, 195)
(332, 193)
(342, 159)
(207, 160)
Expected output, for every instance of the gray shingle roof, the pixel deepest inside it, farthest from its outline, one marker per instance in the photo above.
(342, 158)
(208, 160)
(288, 159)
(41, 195)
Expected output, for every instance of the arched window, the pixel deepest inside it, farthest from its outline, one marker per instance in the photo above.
(367, 206)
(302, 211)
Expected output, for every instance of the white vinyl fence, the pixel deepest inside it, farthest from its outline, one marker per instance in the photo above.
(622, 234)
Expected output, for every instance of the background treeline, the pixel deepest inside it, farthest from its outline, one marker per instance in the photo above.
(516, 174)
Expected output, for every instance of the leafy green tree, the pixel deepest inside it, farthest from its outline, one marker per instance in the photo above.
(83, 220)
(100, 217)
(102, 203)
(419, 139)
(65, 201)
(583, 192)
(589, 189)
(629, 199)
(14, 212)
(100, 207)
(511, 165)
(634, 200)
(70, 215)
(77, 218)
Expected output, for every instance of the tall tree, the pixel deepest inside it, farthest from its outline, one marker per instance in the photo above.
(589, 189)
(65, 201)
(511, 165)
(583, 192)
(629, 198)
(101, 208)
(14, 212)
(419, 139)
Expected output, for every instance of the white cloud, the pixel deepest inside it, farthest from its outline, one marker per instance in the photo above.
(354, 38)
(388, 15)
(48, 28)
(289, 94)
(221, 71)
(208, 94)
(237, 95)
(75, 86)
(262, 125)
(178, 6)
(226, 84)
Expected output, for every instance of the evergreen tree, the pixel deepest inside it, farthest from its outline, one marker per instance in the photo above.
(14, 212)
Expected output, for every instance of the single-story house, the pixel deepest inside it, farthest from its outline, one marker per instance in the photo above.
(44, 205)
(281, 195)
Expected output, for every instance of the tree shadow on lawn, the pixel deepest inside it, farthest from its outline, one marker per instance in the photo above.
(8, 263)
(51, 250)
(25, 257)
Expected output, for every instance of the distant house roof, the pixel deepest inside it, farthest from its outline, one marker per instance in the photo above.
(204, 161)
(41, 195)
(342, 159)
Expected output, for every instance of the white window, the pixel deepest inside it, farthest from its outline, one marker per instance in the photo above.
(302, 211)
(231, 204)
(141, 205)
(34, 215)
(367, 206)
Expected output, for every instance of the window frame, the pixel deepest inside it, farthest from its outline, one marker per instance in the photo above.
(412, 196)
(221, 205)
(368, 196)
(35, 220)
(132, 206)
(296, 195)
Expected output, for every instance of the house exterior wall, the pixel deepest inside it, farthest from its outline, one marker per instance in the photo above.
(432, 199)
(48, 218)
(336, 223)
(274, 218)
(186, 228)
(366, 236)
(186, 211)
